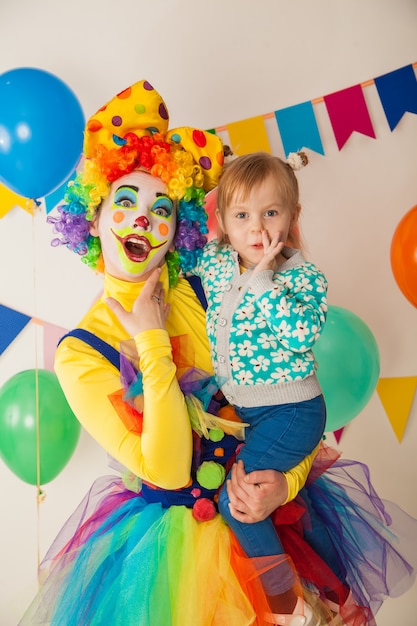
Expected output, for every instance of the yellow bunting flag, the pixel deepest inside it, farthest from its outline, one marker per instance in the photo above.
(10, 199)
(248, 136)
(396, 395)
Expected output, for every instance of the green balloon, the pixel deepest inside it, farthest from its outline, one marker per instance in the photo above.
(348, 366)
(35, 415)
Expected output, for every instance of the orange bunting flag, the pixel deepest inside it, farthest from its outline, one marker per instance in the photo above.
(248, 136)
(396, 395)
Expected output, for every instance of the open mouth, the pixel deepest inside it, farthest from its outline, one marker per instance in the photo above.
(137, 248)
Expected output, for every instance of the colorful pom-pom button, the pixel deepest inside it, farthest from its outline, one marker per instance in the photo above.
(204, 510)
(216, 434)
(211, 474)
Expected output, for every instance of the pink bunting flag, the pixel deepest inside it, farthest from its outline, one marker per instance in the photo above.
(348, 112)
(51, 335)
(338, 434)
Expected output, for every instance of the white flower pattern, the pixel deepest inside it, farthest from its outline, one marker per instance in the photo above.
(272, 332)
(246, 348)
(260, 363)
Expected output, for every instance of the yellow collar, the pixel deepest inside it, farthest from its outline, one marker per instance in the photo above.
(126, 292)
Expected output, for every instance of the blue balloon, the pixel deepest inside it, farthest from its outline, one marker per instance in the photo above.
(348, 366)
(41, 132)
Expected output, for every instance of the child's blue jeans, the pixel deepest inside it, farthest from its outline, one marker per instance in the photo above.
(278, 437)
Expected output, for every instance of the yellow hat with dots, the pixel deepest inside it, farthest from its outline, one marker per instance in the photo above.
(140, 110)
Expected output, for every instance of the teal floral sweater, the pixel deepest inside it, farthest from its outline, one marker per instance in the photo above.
(262, 328)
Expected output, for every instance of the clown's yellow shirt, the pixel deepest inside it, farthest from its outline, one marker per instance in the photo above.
(161, 454)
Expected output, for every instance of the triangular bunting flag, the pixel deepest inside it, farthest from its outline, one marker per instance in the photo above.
(298, 128)
(348, 113)
(11, 324)
(338, 434)
(396, 395)
(51, 335)
(10, 199)
(398, 93)
(248, 136)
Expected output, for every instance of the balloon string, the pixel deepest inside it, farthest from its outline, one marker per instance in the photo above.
(40, 496)
(38, 456)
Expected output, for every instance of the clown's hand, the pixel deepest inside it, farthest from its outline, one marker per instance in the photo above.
(254, 496)
(149, 310)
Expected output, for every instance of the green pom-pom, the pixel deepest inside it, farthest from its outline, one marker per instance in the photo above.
(216, 434)
(211, 474)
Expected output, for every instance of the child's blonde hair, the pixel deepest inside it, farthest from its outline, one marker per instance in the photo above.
(245, 172)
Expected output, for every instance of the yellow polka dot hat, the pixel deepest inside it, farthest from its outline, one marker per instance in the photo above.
(140, 110)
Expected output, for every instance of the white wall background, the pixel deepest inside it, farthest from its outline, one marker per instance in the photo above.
(218, 62)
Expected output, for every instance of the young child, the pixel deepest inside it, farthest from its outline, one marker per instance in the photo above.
(266, 309)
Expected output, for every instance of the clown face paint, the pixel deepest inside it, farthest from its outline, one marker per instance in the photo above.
(136, 226)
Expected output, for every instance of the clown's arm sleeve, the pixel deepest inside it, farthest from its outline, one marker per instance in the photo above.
(297, 476)
(162, 453)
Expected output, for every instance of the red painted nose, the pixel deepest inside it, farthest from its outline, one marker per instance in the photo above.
(142, 222)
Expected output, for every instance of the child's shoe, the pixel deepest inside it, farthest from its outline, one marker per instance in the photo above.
(301, 616)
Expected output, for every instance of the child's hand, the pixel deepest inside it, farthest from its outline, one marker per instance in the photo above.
(272, 248)
(149, 309)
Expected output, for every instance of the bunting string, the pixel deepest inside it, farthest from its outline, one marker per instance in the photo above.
(297, 125)
(368, 83)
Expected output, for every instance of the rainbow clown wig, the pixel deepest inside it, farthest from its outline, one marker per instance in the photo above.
(131, 132)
